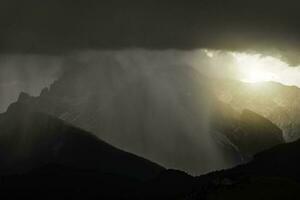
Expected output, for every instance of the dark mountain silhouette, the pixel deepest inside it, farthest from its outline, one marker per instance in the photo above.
(64, 182)
(165, 114)
(29, 140)
(249, 132)
(272, 174)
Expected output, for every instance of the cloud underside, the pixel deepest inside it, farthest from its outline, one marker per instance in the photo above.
(62, 26)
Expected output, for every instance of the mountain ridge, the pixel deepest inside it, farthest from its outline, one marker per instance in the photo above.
(32, 139)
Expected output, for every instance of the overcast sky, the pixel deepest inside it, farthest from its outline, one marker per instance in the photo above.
(58, 26)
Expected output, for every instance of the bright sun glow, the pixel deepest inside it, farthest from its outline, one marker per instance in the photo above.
(254, 68)
(246, 67)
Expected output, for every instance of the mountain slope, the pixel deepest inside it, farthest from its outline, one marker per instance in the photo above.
(272, 174)
(249, 132)
(276, 102)
(44, 155)
(29, 140)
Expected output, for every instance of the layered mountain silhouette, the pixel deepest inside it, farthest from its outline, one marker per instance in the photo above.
(277, 102)
(166, 114)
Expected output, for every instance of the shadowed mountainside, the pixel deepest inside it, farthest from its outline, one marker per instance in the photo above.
(249, 132)
(82, 166)
(272, 174)
(29, 140)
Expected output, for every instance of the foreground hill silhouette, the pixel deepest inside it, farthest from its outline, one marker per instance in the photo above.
(272, 174)
(43, 157)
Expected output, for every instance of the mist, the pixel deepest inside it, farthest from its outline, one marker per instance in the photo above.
(139, 99)
(26, 73)
(148, 102)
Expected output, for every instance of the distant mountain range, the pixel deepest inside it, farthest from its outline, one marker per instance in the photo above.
(166, 114)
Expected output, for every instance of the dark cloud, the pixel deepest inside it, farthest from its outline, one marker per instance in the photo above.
(59, 26)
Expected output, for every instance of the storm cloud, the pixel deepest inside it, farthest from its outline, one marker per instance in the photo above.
(60, 26)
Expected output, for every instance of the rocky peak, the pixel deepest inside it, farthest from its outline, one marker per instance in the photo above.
(23, 97)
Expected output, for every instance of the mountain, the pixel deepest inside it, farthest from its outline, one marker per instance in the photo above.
(165, 114)
(248, 131)
(276, 102)
(30, 140)
(42, 155)
(272, 174)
